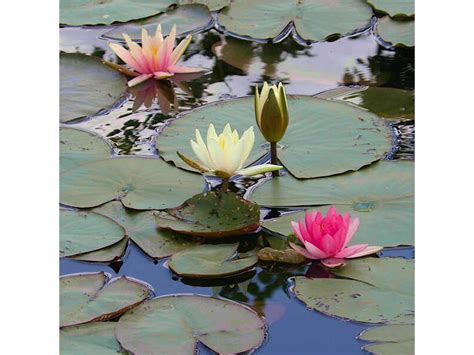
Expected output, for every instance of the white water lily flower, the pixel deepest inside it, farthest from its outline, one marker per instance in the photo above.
(225, 154)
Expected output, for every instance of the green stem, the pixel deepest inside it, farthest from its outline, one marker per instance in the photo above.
(225, 184)
(273, 157)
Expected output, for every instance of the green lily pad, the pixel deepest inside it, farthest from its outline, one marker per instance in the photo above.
(91, 339)
(109, 254)
(77, 147)
(141, 228)
(373, 291)
(341, 91)
(350, 136)
(82, 232)
(209, 260)
(288, 256)
(394, 7)
(398, 33)
(213, 5)
(394, 339)
(94, 297)
(87, 86)
(385, 223)
(188, 19)
(99, 12)
(139, 182)
(379, 182)
(313, 19)
(212, 214)
(175, 324)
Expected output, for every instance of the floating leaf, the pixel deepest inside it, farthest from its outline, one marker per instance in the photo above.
(139, 182)
(87, 86)
(373, 291)
(213, 5)
(397, 32)
(341, 91)
(212, 214)
(392, 339)
(94, 297)
(394, 8)
(91, 339)
(350, 136)
(313, 19)
(141, 228)
(175, 324)
(383, 181)
(209, 260)
(82, 232)
(106, 255)
(288, 256)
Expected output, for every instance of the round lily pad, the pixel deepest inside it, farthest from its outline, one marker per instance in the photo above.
(94, 297)
(212, 214)
(391, 339)
(82, 232)
(386, 223)
(209, 260)
(176, 324)
(77, 147)
(92, 339)
(398, 33)
(213, 5)
(100, 12)
(382, 181)
(352, 137)
(394, 8)
(105, 255)
(313, 19)
(188, 19)
(141, 228)
(139, 182)
(87, 86)
(373, 291)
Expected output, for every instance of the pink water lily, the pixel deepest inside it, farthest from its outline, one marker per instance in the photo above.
(326, 238)
(155, 58)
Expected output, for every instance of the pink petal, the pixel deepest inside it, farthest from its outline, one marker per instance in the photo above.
(349, 251)
(314, 251)
(296, 229)
(327, 245)
(125, 55)
(183, 70)
(301, 251)
(340, 237)
(139, 79)
(353, 226)
(333, 262)
(304, 233)
(365, 252)
(162, 75)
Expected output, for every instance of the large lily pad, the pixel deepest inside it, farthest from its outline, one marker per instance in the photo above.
(350, 136)
(188, 19)
(379, 182)
(87, 86)
(139, 182)
(77, 147)
(213, 5)
(313, 19)
(105, 255)
(175, 324)
(385, 223)
(94, 297)
(141, 228)
(398, 33)
(209, 260)
(82, 232)
(212, 214)
(394, 339)
(394, 7)
(373, 291)
(92, 339)
(99, 12)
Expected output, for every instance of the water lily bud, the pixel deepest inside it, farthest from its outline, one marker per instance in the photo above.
(271, 111)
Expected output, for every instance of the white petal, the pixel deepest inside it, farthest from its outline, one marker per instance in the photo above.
(249, 139)
(258, 169)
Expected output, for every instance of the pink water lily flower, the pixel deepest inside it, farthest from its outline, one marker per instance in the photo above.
(326, 238)
(155, 58)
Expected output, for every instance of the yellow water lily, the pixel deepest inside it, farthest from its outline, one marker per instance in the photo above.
(225, 154)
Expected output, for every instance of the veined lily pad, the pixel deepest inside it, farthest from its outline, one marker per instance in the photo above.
(175, 324)
(139, 182)
(92, 339)
(213, 5)
(397, 32)
(212, 214)
(379, 182)
(94, 297)
(188, 19)
(87, 86)
(314, 19)
(209, 260)
(106, 255)
(373, 291)
(78, 147)
(141, 228)
(82, 232)
(350, 136)
(394, 339)
(386, 223)
(394, 7)
(99, 12)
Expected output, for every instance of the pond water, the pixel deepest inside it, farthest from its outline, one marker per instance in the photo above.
(307, 70)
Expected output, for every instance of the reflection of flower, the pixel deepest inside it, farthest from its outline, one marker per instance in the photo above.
(225, 154)
(146, 93)
(325, 238)
(155, 58)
